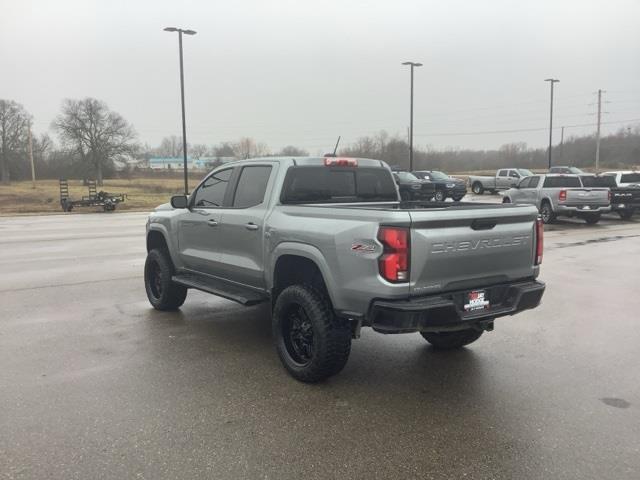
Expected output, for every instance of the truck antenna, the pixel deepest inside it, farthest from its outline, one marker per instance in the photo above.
(334, 150)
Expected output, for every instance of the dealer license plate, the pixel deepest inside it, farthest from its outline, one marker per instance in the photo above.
(476, 301)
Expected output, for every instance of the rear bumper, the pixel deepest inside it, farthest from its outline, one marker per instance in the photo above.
(446, 311)
(560, 209)
(625, 206)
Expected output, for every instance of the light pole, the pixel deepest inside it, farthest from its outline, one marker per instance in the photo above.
(551, 82)
(412, 64)
(184, 125)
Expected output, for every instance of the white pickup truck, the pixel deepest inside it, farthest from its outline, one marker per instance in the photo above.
(504, 179)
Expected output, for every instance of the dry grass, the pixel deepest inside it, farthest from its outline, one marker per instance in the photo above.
(142, 194)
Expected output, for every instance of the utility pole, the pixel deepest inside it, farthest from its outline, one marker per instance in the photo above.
(412, 64)
(551, 81)
(33, 170)
(598, 130)
(561, 142)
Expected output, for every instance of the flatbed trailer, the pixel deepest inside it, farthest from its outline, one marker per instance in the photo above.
(108, 201)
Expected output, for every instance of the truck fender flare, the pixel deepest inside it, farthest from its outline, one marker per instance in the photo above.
(307, 251)
(547, 199)
(162, 230)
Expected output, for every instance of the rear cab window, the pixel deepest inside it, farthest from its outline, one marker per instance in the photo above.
(598, 181)
(562, 182)
(630, 177)
(321, 184)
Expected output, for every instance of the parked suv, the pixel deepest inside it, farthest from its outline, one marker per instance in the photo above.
(625, 178)
(412, 188)
(560, 195)
(445, 185)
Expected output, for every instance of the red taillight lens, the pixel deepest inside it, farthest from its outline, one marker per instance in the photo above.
(562, 196)
(609, 196)
(539, 241)
(394, 261)
(340, 162)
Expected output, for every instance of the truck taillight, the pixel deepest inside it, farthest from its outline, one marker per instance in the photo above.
(562, 196)
(539, 241)
(340, 162)
(394, 261)
(609, 195)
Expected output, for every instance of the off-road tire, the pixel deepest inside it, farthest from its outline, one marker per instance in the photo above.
(451, 340)
(506, 200)
(592, 218)
(546, 212)
(440, 196)
(477, 188)
(162, 292)
(330, 340)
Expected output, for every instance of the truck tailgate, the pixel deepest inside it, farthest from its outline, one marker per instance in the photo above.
(455, 250)
(587, 196)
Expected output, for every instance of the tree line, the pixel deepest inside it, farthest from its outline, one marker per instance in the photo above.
(91, 137)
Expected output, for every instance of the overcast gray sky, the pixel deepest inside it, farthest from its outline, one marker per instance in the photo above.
(304, 72)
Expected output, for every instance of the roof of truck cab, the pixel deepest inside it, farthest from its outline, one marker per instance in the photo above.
(317, 161)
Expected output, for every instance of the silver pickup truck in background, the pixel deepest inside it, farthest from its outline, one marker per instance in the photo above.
(328, 243)
(504, 179)
(560, 195)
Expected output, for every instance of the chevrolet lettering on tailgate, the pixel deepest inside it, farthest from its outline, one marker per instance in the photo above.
(479, 244)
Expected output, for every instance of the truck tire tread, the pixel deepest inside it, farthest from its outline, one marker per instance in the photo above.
(171, 295)
(332, 335)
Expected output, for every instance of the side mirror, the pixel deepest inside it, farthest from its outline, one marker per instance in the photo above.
(179, 201)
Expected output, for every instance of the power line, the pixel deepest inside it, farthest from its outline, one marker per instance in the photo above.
(491, 132)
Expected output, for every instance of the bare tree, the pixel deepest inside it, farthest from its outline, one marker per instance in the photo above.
(248, 148)
(198, 150)
(291, 151)
(14, 124)
(94, 132)
(170, 147)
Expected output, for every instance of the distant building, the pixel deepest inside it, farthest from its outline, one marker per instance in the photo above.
(202, 163)
(122, 162)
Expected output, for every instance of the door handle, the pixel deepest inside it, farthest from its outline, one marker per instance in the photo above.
(212, 223)
(251, 226)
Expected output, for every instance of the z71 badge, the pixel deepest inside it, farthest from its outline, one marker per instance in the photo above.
(362, 247)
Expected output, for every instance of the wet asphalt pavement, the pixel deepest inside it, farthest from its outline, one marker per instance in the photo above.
(95, 384)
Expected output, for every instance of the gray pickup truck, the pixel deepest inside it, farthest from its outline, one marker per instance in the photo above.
(329, 244)
(504, 179)
(560, 195)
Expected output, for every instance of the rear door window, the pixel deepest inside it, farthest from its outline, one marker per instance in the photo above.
(502, 173)
(252, 186)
